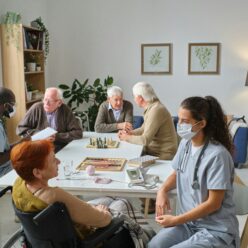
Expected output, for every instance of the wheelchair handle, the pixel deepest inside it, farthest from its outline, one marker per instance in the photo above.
(3, 192)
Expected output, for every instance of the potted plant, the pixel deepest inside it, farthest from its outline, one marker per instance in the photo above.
(38, 67)
(31, 62)
(38, 23)
(80, 93)
(29, 91)
(13, 33)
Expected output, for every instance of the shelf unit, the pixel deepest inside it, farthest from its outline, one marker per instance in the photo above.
(17, 51)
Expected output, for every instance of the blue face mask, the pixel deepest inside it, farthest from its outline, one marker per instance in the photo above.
(184, 130)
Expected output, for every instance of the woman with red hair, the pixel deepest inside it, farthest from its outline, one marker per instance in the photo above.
(35, 163)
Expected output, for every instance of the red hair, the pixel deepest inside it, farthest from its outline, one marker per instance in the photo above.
(29, 155)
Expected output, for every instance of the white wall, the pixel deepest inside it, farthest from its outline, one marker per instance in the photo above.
(96, 38)
(99, 38)
(29, 10)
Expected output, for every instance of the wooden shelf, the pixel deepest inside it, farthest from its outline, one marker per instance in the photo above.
(34, 101)
(33, 72)
(13, 63)
(32, 51)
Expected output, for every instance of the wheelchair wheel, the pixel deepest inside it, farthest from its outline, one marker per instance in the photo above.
(16, 240)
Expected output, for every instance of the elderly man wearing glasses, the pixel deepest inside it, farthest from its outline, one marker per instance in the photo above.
(52, 112)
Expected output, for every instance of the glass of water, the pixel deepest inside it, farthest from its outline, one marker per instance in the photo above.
(68, 168)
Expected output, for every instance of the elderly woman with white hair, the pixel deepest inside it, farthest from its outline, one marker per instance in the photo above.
(115, 113)
(157, 134)
(52, 112)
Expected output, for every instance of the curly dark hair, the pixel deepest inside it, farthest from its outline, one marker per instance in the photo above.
(209, 109)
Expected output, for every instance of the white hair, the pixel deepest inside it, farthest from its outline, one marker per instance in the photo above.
(59, 92)
(145, 90)
(114, 91)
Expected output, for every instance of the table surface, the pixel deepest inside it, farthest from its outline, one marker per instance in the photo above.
(82, 184)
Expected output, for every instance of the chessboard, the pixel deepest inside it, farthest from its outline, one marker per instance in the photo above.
(142, 161)
(103, 143)
(103, 164)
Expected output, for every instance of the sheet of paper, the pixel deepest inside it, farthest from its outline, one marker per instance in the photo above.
(45, 133)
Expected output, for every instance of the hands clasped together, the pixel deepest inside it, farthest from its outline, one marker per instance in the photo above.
(125, 130)
(163, 211)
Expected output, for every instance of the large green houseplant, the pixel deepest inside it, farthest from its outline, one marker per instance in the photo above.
(92, 94)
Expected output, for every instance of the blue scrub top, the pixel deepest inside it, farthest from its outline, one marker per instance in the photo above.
(4, 145)
(216, 172)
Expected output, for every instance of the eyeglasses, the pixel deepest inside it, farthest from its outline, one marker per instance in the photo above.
(12, 104)
(50, 101)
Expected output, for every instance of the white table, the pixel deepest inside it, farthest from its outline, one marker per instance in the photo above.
(82, 184)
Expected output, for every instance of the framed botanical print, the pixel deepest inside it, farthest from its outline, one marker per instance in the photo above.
(156, 58)
(204, 58)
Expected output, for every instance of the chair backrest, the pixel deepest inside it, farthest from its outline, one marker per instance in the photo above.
(175, 121)
(84, 118)
(51, 227)
(137, 121)
(240, 198)
(240, 141)
(79, 121)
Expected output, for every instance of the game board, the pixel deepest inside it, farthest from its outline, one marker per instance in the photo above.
(103, 164)
(102, 143)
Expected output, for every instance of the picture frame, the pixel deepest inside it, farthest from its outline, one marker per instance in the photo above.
(156, 58)
(204, 58)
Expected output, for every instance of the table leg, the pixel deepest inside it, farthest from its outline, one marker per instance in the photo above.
(147, 203)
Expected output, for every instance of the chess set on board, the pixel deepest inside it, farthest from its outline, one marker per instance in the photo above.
(103, 143)
(142, 161)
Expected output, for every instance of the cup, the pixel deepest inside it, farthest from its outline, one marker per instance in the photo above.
(68, 168)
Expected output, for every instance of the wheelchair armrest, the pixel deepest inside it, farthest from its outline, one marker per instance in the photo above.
(103, 233)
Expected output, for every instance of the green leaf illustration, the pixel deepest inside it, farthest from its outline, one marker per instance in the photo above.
(156, 57)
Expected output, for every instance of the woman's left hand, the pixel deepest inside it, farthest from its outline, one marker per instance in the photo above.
(102, 207)
(166, 220)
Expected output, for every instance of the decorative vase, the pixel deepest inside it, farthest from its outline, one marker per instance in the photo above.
(31, 66)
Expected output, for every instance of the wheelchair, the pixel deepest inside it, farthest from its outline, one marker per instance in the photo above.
(52, 228)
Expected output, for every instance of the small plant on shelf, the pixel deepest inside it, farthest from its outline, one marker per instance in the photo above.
(38, 23)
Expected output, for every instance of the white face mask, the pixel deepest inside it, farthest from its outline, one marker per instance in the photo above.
(13, 112)
(10, 110)
(184, 130)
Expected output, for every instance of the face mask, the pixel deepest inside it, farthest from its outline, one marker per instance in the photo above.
(10, 111)
(184, 130)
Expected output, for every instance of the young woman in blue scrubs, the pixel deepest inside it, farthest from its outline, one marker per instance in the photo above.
(203, 175)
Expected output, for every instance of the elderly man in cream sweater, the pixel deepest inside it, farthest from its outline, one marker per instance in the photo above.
(157, 134)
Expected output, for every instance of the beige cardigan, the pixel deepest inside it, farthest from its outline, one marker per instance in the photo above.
(157, 134)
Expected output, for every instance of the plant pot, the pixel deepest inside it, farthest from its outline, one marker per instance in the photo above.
(38, 68)
(31, 66)
(29, 95)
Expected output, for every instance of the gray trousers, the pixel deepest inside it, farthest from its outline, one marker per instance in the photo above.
(182, 237)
